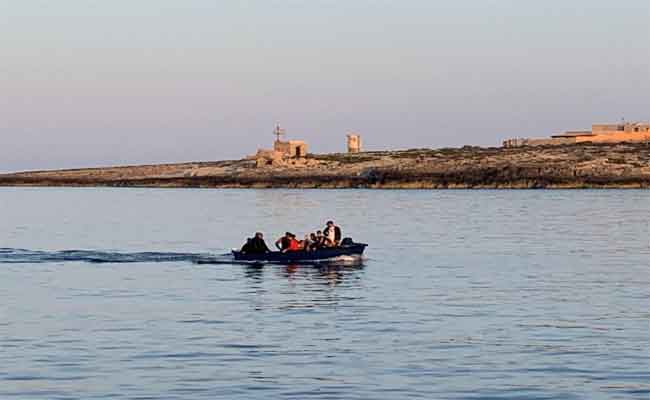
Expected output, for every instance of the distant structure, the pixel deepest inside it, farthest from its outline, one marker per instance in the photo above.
(283, 152)
(599, 133)
(290, 148)
(354, 143)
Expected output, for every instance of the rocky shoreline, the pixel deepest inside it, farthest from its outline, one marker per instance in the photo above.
(625, 165)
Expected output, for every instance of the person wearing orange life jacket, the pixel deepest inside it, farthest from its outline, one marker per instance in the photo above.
(294, 245)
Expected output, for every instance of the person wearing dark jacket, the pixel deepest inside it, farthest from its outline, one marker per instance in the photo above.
(256, 245)
(332, 234)
(284, 242)
(314, 243)
(320, 240)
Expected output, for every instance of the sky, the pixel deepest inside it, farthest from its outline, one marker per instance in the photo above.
(96, 82)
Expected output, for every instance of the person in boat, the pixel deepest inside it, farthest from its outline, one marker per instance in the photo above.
(313, 242)
(283, 243)
(306, 243)
(255, 245)
(320, 240)
(294, 245)
(332, 234)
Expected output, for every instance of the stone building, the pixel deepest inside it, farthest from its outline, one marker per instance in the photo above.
(599, 133)
(289, 148)
(265, 157)
(282, 153)
(354, 143)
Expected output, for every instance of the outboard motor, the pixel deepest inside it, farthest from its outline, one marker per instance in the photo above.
(347, 242)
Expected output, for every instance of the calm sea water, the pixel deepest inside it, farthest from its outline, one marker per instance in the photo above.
(463, 295)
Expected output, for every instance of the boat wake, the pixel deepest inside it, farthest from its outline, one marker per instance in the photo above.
(22, 256)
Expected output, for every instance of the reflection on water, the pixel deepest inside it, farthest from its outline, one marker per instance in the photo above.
(255, 272)
(309, 285)
(328, 275)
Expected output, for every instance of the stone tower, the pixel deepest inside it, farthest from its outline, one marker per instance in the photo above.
(354, 143)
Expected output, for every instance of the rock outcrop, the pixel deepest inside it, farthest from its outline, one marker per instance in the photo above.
(571, 166)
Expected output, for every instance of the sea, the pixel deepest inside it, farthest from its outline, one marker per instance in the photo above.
(105, 293)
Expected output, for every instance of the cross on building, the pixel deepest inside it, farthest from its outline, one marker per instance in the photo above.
(278, 132)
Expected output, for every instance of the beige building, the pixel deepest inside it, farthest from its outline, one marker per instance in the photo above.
(599, 133)
(291, 148)
(282, 151)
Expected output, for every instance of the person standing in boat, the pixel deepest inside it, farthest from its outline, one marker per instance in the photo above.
(332, 234)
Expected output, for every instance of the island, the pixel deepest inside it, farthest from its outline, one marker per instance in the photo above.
(578, 165)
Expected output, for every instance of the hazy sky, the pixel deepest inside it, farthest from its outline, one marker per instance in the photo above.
(99, 82)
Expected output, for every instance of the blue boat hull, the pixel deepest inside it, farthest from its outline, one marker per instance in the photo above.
(355, 249)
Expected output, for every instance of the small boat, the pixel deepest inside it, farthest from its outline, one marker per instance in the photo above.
(353, 249)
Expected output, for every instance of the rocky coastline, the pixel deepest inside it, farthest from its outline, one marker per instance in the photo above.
(623, 165)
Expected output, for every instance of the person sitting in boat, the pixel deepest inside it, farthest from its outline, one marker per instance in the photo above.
(314, 242)
(283, 243)
(320, 240)
(332, 234)
(294, 245)
(306, 243)
(255, 245)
